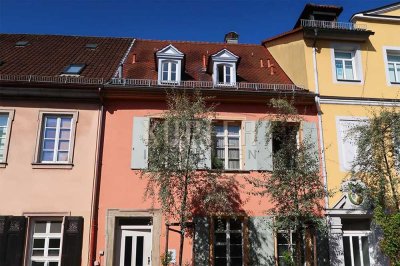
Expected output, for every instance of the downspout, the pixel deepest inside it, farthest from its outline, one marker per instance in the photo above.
(321, 133)
(96, 185)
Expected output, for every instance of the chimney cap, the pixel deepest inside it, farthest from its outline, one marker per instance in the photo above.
(231, 37)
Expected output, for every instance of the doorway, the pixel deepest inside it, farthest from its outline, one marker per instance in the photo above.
(135, 245)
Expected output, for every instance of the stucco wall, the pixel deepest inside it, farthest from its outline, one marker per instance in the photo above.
(27, 191)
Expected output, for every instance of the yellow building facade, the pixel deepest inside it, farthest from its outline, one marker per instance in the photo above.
(354, 69)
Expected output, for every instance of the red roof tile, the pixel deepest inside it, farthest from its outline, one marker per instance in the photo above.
(48, 55)
(248, 69)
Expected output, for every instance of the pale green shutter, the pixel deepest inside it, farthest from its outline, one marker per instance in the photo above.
(310, 135)
(261, 241)
(258, 147)
(140, 137)
(201, 247)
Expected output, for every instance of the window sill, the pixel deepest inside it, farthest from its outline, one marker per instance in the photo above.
(231, 171)
(52, 165)
(3, 165)
(349, 80)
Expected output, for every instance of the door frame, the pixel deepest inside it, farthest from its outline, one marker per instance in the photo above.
(112, 229)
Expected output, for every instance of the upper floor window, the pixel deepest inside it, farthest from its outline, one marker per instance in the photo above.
(345, 66)
(169, 71)
(56, 137)
(224, 68)
(393, 65)
(226, 146)
(5, 125)
(169, 61)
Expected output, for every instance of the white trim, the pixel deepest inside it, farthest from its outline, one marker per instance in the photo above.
(395, 49)
(225, 125)
(366, 16)
(356, 62)
(173, 56)
(358, 102)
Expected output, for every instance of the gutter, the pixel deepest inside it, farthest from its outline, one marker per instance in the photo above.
(96, 185)
(374, 17)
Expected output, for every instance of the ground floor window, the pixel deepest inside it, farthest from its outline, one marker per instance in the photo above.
(356, 249)
(228, 242)
(46, 243)
(287, 244)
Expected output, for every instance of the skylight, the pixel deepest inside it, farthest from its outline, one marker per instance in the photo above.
(74, 69)
(21, 43)
(91, 45)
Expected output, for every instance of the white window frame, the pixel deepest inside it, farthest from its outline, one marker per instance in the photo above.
(226, 136)
(10, 114)
(343, 61)
(169, 54)
(41, 131)
(232, 74)
(358, 234)
(356, 59)
(290, 242)
(345, 166)
(47, 236)
(388, 50)
(169, 64)
(228, 232)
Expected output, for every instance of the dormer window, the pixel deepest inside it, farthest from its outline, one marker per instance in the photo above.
(224, 68)
(169, 61)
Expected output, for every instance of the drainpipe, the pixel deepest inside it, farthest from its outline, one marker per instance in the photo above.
(96, 185)
(321, 133)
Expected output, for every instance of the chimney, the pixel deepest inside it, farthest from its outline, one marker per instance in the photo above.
(231, 37)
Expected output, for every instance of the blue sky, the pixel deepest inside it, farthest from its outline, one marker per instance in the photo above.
(194, 20)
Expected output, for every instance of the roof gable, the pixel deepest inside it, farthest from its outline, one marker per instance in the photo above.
(225, 55)
(170, 51)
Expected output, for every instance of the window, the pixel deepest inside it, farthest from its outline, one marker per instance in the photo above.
(46, 243)
(5, 128)
(393, 65)
(56, 137)
(224, 74)
(345, 66)
(347, 141)
(169, 61)
(169, 71)
(226, 146)
(21, 43)
(356, 248)
(224, 68)
(286, 243)
(228, 242)
(74, 69)
(284, 133)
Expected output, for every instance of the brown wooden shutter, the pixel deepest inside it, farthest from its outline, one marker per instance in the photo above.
(72, 241)
(12, 240)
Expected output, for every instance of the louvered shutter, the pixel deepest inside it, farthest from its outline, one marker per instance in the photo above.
(310, 134)
(261, 241)
(140, 137)
(258, 148)
(72, 241)
(201, 241)
(15, 228)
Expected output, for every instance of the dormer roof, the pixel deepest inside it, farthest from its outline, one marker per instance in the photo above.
(170, 51)
(225, 56)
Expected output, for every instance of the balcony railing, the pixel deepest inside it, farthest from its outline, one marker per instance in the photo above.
(52, 79)
(307, 23)
(205, 85)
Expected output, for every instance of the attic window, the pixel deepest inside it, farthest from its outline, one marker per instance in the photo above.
(224, 68)
(74, 69)
(21, 43)
(169, 61)
(91, 46)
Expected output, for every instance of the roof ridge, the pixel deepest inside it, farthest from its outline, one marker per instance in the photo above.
(200, 42)
(64, 35)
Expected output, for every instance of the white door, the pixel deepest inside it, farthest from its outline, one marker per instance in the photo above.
(135, 249)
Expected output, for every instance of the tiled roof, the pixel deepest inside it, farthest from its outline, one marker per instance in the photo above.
(48, 55)
(249, 67)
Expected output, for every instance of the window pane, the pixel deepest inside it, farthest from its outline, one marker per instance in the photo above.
(343, 55)
(38, 243)
(233, 154)
(365, 250)
(3, 120)
(220, 262)
(62, 156)
(3, 131)
(51, 121)
(54, 243)
(235, 224)
(220, 142)
(36, 263)
(233, 142)
(50, 133)
(55, 227)
(392, 72)
(173, 67)
(219, 224)
(40, 227)
(38, 252)
(173, 76)
(220, 251)
(48, 144)
(53, 252)
(233, 130)
(393, 58)
(53, 263)
(66, 122)
(220, 238)
(47, 156)
(165, 76)
(339, 69)
(356, 251)
(236, 251)
(221, 153)
(236, 262)
(219, 130)
(233, 164)
(349, 70)
(236, 238)
(63, 145)
(65, 133)
(221, 74)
